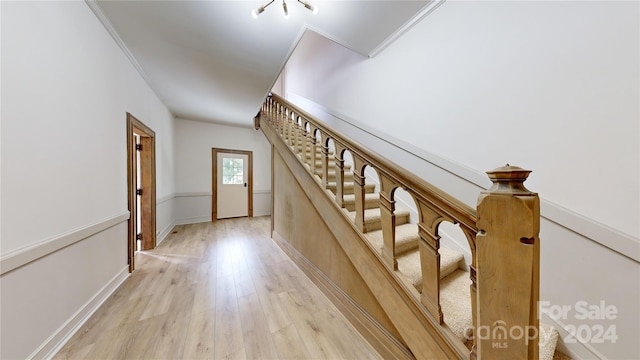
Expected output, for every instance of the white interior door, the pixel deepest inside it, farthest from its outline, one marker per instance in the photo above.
(233, 191)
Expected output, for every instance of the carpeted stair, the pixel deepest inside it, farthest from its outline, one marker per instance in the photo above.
(455, 283)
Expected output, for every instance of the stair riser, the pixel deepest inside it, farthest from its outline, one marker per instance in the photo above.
(370, 204)
(348, 176)
(374, 225)
(348, 189)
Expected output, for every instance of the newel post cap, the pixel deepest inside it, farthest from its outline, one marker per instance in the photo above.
(508, 179)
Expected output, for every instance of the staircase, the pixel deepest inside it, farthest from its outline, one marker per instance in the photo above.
(345, 183)
(455, 282)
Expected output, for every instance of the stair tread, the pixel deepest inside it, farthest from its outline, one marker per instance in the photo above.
(406, 238)
(449, 261)
(372, 215)
(455, 301)
(371, 201)
(351, 198)
(349, 187)
(409, 265)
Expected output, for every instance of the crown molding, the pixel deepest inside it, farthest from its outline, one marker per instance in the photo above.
(426, 10)
(97, 11)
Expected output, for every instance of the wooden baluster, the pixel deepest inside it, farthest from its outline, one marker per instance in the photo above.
(474, 306)
(388, 220)
(280, 123)
(285, 125)
(294, 132)
(304, 146)
(312, 152)
(299, 135)
(470, 234)
(324, 166)
(280, 114)
(359, 191)
(339, 159)
(430, 258)
(508, 267)
(287, 130)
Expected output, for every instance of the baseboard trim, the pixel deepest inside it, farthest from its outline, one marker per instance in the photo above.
(577, 350)
(59, 338)
(193, 194)
(23, 256)
(162, 235)
(192, 220)
(261, 213)
(380, 338)
(164, 199)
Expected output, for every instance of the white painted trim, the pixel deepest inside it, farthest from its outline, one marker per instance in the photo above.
(97, 11)
(193, 194)
(577, 350)
(162, 235)
(165, 199)
(193, 220)
(197, 194)
(27, 254)
(258, 213)
(333, 38)
(426, 10)
(59, 338)
(604, 235)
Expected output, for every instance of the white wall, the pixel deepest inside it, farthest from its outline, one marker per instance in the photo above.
(559, 77)
(194, 141)
(549, 86)
(66, 89)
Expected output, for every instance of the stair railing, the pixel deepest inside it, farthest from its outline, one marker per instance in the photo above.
(502, 232)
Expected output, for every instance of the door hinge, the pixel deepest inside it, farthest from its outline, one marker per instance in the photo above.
(139, 147)
(139, 236)
(139, 192)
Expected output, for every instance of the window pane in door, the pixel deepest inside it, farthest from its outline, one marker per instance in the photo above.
(232, 171)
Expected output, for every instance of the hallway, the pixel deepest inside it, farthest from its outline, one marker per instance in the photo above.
(219, 290)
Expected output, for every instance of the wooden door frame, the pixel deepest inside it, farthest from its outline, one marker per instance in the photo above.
(214, 180)
(148, 169)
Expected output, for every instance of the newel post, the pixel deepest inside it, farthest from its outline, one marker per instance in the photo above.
(508, 267)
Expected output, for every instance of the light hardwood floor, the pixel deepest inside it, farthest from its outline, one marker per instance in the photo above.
(219, 290)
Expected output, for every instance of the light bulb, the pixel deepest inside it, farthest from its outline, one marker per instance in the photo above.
(257, 12)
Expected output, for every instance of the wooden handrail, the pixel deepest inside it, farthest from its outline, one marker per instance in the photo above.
(509, 215)
(448, 204)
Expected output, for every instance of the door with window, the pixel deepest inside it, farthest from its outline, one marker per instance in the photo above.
(232, 184)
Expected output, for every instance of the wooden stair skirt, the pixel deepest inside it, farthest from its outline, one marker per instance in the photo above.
(407, 295)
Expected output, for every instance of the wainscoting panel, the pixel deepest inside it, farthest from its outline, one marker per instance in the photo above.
(191, 208)
(262, 202)
(45, 300)
(165, 217)
(297, 222)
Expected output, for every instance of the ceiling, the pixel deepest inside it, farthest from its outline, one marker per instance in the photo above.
(211, 61)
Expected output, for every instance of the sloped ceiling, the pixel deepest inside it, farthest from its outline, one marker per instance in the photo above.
(211, 61)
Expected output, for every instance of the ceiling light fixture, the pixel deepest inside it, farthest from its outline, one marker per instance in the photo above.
(260, 10)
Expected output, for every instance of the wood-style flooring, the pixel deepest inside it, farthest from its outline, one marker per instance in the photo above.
(218, 290)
